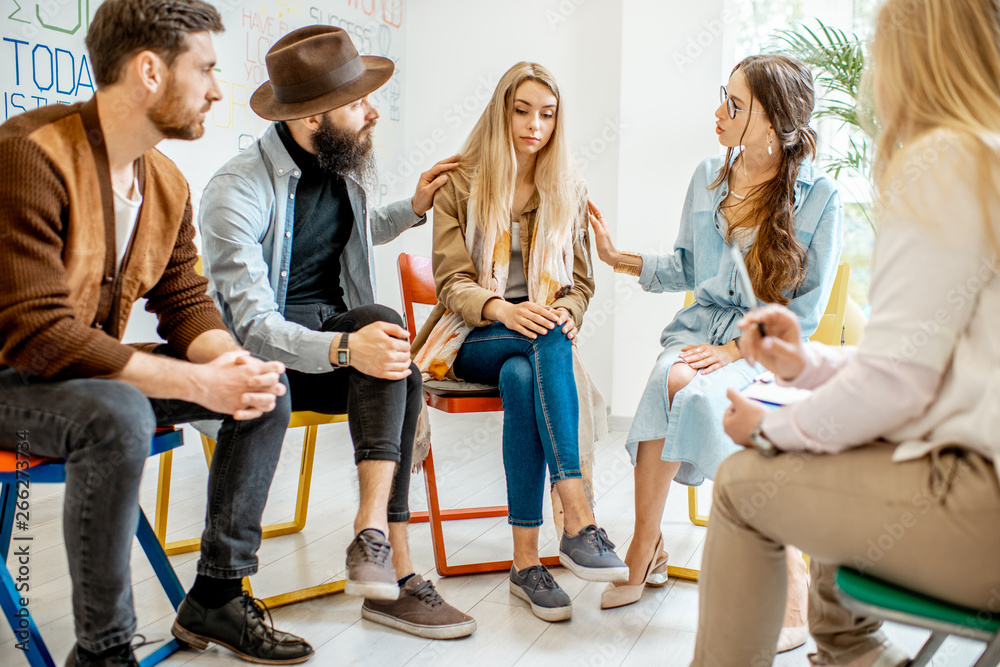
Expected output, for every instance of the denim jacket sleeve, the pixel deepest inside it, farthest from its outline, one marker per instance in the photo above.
(233, 222)
(673, 272)
(822, 255)
(388, 222)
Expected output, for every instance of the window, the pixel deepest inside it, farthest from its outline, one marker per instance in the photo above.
(754, 31)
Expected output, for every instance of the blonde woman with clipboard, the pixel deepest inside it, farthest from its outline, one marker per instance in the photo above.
(765, 197)
(897, 445)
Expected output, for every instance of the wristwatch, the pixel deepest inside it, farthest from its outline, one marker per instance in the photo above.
(761, 442)
(343, 353)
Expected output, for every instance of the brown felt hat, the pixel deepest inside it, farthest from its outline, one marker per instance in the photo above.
(316, 69)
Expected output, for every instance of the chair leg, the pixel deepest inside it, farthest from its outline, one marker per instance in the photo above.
(991, 656)
(302, 496)
(163, 497)
(168, 580)
(696, 519)
(158, 559)
(436, 517)
(929, 648)
(21, 622)
(7, 497)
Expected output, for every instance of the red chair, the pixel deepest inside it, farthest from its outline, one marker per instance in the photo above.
(416, 284)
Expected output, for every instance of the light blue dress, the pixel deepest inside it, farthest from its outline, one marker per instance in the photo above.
(701, 261)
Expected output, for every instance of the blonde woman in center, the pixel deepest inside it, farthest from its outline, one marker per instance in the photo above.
(512, 270)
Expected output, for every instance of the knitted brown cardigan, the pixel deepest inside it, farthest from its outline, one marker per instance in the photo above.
(63, 306)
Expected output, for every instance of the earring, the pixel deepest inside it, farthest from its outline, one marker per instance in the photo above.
(768, 145)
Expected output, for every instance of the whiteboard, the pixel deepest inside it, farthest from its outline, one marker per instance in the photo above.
(43, 60)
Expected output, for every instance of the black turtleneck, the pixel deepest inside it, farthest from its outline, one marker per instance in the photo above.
(323, 224)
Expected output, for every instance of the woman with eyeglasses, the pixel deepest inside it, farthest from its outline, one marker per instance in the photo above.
(786, 218)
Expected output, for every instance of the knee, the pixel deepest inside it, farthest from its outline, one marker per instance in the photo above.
(553, 340)
(121, 420)
(413, 381)
(365, 315)
(679, 376)
(414, 384)
(516, 375)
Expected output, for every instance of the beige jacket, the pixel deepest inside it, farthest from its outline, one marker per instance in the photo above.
(455, 274)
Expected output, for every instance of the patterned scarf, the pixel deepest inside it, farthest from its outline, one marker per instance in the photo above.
(550, 276)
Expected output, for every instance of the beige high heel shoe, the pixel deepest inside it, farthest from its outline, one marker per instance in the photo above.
(619, 595)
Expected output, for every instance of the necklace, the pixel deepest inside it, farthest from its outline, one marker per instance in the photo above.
(740, 197)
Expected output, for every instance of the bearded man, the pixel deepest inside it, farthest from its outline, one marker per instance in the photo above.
(288, 239)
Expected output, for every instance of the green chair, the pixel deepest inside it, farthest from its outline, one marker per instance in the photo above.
(874, 597)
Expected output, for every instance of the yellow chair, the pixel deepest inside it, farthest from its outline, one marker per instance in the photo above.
(831, 331)
(311, 421)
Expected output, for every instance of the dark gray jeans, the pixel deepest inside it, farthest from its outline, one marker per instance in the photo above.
(103, 428)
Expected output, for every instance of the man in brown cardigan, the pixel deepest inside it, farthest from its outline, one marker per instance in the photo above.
(92, 218)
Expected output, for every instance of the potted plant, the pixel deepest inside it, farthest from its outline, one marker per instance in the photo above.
(838, 61)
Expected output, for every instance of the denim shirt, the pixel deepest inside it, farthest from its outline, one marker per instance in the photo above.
(247, 219)
(701, 260)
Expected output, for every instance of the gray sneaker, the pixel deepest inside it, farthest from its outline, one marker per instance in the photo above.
(591, 556)
(536, 586)
(369, 567)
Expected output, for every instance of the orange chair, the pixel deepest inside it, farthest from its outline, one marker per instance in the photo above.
(416, 284)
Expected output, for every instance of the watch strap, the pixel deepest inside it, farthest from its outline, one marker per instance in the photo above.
(343, 352)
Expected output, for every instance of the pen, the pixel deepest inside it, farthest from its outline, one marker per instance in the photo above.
(743, 276)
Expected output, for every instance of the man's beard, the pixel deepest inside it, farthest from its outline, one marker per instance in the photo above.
(341, 152)
(171, 117)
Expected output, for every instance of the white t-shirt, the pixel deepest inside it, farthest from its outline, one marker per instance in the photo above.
(126, 214)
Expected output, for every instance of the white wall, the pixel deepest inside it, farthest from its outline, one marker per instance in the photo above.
(672, 66)
(456, 51)
(639, 80)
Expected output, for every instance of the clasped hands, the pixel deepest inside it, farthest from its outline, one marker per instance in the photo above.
(237, 383)
(530, 319)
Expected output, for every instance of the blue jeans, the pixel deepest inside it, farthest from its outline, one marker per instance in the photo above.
(541, 411)
(103, 428)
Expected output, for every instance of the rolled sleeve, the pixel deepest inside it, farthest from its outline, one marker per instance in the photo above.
(388, 222)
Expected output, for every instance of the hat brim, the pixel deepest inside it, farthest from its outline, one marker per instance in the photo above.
(378, 70)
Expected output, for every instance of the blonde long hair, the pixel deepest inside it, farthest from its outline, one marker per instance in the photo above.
(937, 66)
(489, 164)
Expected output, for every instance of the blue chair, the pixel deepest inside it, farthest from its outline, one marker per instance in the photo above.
(53, 471)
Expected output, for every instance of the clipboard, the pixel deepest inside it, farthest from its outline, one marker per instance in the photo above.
(765, 390)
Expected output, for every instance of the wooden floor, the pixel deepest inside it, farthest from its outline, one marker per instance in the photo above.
(659, 630)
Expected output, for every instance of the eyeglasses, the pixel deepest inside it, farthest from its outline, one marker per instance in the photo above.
(730, 105)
